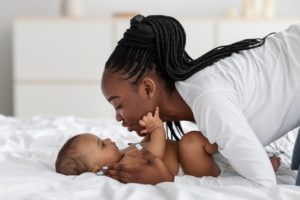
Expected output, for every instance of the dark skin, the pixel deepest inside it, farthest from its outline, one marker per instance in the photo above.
(131, 103)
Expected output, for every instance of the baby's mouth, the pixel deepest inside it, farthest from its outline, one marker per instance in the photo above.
(114, 144)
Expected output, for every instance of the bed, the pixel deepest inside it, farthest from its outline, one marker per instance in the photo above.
(28, 149)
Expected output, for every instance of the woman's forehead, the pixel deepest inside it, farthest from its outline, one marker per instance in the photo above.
(114, 82)
(109, 78)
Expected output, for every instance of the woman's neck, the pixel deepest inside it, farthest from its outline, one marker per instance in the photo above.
(174, 108)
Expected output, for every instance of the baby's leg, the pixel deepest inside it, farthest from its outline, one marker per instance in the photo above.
(194, 157)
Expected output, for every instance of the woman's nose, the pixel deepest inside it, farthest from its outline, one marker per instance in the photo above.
(118, 117)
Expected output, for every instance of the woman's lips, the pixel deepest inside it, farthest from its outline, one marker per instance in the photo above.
(124, 124)
(129, 128)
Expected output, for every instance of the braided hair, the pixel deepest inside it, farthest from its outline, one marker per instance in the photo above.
(157, 42)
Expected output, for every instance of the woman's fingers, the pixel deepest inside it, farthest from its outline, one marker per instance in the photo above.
(139, 159)
(147, 155)
(122, 172)
(148, 169)
(117, 173)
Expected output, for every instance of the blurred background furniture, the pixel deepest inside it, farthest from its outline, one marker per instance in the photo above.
(58, 62)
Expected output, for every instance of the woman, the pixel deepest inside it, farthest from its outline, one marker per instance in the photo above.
(242, 96)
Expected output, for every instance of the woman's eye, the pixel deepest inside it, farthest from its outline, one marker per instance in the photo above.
(119, 107)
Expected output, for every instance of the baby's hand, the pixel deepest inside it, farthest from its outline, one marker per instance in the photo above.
(151, 122)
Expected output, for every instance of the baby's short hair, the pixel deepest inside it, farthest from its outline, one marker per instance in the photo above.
(69, 160)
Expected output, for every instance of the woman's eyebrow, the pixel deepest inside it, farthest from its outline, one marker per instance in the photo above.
(112, 98)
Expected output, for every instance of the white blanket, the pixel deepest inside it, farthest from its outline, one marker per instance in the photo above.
(28, 149)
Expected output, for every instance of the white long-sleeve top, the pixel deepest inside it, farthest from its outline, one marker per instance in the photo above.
(248, 100)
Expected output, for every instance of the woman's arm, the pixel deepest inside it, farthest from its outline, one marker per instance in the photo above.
(222, 121)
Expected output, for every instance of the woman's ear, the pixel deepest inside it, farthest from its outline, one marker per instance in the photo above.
(148, 87)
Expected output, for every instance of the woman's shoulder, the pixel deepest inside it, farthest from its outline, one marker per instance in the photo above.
(204, 87)
(203, 80)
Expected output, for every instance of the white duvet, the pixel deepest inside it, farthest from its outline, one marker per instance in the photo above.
(28, 150)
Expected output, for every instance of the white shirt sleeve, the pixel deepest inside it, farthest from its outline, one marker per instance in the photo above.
(222, 121)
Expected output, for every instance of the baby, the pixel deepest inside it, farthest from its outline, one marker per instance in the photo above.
(89, 153)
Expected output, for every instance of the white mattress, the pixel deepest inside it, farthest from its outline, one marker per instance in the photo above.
(28, 150)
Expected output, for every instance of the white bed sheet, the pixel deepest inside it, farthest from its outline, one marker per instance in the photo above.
(28, 150)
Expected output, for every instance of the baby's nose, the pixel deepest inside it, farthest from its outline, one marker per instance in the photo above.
(107, 140)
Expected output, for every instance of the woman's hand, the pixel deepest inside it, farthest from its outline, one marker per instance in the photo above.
(148, 169)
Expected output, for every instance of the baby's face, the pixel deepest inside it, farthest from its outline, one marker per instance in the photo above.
(98, 152)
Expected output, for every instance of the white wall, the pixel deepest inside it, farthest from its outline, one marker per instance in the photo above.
(9, 9)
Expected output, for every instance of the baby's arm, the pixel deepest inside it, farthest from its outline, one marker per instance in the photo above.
(156, 133)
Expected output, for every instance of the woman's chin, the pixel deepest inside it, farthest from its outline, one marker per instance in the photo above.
(139, 133)
(136, 130)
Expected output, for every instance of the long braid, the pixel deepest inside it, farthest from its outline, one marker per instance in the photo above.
(158, 42)
(172, 56)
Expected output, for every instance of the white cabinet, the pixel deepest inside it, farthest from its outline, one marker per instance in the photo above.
(53, 99)
(230, 31)
(58, 65)
(61, 49)
(58, 62)
(200, 35)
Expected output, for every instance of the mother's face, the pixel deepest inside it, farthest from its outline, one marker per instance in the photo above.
(131, 102)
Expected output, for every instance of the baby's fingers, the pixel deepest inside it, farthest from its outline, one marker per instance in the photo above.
(145, 118)
(149, 115)
(144, 132)
(156, 113)
(142, 123)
